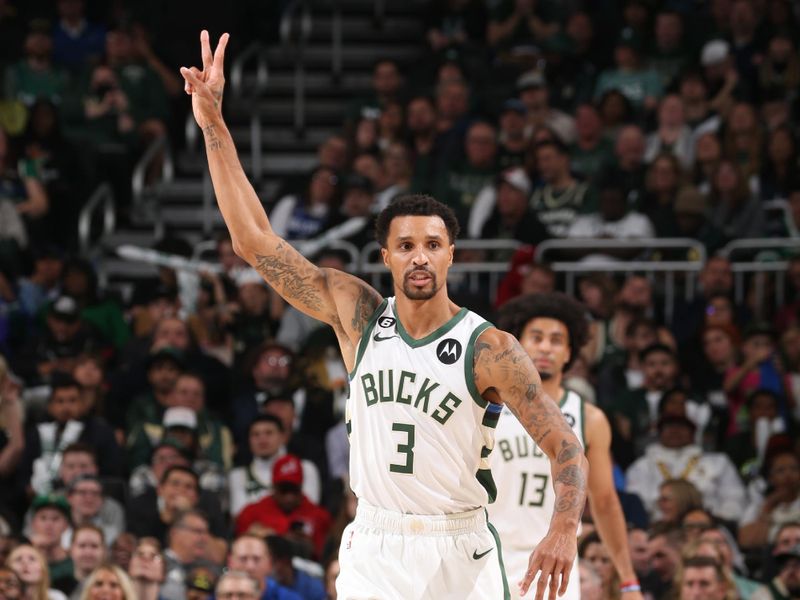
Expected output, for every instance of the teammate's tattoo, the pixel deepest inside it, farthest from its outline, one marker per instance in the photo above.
(284, 270)
(569, 501)
(212, 140)
(568, 452)
(572, 475)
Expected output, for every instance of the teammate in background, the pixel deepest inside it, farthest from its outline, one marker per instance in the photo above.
(552, 328)
(427, 380)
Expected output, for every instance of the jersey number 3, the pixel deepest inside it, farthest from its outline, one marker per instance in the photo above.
(538, 484)
(406, 448)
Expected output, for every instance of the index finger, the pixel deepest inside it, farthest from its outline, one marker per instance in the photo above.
(205, 50)
(219, 53)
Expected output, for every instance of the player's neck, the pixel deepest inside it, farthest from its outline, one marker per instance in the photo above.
(553, 388)
(423, 317)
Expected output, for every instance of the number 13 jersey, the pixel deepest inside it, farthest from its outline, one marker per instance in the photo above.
(525, 494)
(420, 433)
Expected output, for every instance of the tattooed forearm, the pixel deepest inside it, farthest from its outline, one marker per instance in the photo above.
(569, 501)
(572, 475)
(568, 452)
(292, 282)
(212, 140)
(366, 303)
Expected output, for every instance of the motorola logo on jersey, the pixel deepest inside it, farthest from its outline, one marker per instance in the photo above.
(386, 322)
(449, 351)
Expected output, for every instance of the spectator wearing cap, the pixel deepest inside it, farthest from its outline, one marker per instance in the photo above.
(65, 336)
(42, 285)
(51, 519)
(675, 455)
(35, 76)
(354, 221)
(513, 135)
(459, 185)
(200, 583)
(267, 441)
(613, 220)
(287, 511)
(722, 79)
(760, 367)
(214, 441)
(45, 442)
(289, 576)
(85, 497)
(188, 549)
(592, 153)
(669, 55)
(87, 552)
(641, 86)
(250, 556)
(533, 91)
(672, 135)
(511, 215)
(306, 215)
(561, 197)
(780, 503)
(151, 303)
(786, 584)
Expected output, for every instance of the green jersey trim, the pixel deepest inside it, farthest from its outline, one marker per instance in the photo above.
(365, 335)
(431, 336)
(506, 593)
(469, 366)
(484, 477)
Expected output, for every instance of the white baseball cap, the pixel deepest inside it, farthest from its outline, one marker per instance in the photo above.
(714, 52)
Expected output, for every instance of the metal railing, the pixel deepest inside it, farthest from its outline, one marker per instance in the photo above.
(256, 50)
(159, 149)
(295, 28)
(101, 199)
(644, 245)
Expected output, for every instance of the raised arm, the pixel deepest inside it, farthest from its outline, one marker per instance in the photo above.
(341, 300)
(505, 373)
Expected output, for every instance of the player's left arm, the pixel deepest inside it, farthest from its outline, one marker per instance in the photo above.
(603, 499)
(505, 373)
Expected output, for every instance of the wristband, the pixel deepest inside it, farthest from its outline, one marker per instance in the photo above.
(630, 587)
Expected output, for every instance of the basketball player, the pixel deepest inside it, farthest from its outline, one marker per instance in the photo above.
(552, 328)
(426, 378)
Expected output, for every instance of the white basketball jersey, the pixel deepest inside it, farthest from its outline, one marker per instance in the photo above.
(522, 471)
(420, 433)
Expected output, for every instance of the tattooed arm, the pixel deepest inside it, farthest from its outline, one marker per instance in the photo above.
(504, 373)
(341, 300)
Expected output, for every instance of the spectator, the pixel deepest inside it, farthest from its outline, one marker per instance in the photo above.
(455, 24)
(512, 137)
(724, 84)
(616, 112)
(188, 548)
(250, 555)
(45, 442)
(787, 582)
(690, 218)
(591, 582)
(162, 369)
(699, 116)
(562, 197)
(663, 548)
(534, 94)
(515, 24)
(76, 41)
(87, 552)
(287, 510)
(167, 453)
(641, 86)
(765, 515)
(51, 519)
(287, 575)
(303, 217)
(593, 552)
(200, 584)
(85, 497)
(703, 578)
(664, 178)
(673, 135)
(780, 69)
(763, 420)
(397, 166)
(629, 169)
(640, 558)
(31, 569)
(10, 584)
(256, 314)
(42, 286)
(370, 166)
(592, 154)
(421, 120)
(612, 220)
(669, 56)
(675, 456)
(731, 558)
(35, 76)
(676, 498)
(109, 581)
(780, 167)
(267, 440)
(147, 569)
(12, 444)
(387, 87)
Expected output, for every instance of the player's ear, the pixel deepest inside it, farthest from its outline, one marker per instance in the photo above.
(385, 257)
(452, 253)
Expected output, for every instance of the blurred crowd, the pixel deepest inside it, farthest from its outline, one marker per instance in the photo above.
(151, 443)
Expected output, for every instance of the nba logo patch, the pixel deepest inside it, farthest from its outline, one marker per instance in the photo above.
(350, 540)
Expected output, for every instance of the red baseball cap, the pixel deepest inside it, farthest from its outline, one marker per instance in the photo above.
(287, 469)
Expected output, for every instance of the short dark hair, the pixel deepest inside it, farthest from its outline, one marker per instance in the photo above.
(62, 381)
(415, 205)
(703, 562)
(657, 347)
(556, 144)
(80, 448)
(280, 548)
(181, 469)
(189, 512)
(517, 313)
(266, 419)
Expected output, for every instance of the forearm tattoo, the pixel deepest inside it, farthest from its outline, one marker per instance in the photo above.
(213, 142)
(285, 270)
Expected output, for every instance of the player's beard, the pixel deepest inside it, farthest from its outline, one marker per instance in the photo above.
(545, 375)
(415, 293)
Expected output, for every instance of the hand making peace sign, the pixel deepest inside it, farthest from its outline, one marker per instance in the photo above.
(206, 86)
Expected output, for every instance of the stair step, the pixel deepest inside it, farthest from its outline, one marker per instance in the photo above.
(362, 28)
(362, 55)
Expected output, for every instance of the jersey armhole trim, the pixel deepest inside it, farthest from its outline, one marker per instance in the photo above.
(469, 367)
(362, 343)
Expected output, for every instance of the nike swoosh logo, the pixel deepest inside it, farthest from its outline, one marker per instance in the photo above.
(477, 556)
(378, 338)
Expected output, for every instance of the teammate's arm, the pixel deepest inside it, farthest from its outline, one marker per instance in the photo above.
(603, 499)
(341, 300)
(505, 373)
